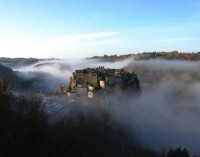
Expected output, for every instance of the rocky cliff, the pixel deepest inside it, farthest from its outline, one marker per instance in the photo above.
(88, 82)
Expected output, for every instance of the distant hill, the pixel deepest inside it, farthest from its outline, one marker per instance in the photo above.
(6, 73)
(49, 64)
(15, 62)
(18, 82)
(174, 55)
(30, 81)
(11, 76)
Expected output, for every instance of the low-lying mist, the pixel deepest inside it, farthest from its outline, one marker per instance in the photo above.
(50, 74)
(165, 115)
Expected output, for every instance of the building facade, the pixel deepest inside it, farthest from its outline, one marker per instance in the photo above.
(88, 81)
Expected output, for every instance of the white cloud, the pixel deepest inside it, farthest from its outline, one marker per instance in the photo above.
(80, 37)
(65, 46)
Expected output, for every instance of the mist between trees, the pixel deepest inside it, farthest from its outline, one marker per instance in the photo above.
(87, 129)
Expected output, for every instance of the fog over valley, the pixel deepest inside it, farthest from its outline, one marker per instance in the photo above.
(165, 115)
(91, 78)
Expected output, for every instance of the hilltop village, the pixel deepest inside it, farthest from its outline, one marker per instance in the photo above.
(88, 82)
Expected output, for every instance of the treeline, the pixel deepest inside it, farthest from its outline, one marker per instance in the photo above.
(85, 131)
(174, 55)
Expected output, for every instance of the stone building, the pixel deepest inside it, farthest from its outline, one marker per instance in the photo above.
(88, 81)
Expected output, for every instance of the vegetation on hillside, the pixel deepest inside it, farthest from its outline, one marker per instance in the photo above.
(31, 81)
(84, 131)
(174, 55)
(15, 62)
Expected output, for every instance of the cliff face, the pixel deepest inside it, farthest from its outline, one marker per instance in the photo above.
(88, 82)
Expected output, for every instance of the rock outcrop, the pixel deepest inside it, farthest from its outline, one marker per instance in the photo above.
(88, 82)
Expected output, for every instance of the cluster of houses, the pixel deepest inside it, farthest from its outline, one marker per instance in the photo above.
(88, 81)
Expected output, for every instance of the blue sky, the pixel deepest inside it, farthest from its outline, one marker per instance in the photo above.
(82, 28)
